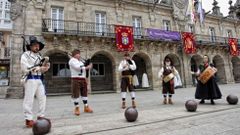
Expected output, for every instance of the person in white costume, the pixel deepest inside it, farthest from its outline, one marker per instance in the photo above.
(79, 81)
(177, 81)
(135, 80)
(145, 83)
(126, 67)
(33, 66)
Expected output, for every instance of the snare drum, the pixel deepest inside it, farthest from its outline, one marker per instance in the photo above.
(206, 74)
(168, 77)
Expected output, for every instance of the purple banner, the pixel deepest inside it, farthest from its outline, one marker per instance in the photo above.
(163, 35)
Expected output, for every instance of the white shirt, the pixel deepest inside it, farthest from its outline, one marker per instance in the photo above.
(124, 62)
(28, 60)
(160, 73)
(77, 68)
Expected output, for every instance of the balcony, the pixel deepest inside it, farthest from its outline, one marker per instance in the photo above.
(77, 28)
(5, 24)
(51, 26)
(5, 53)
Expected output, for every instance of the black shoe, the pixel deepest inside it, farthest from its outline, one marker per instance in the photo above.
(212, 102)
(202, 101)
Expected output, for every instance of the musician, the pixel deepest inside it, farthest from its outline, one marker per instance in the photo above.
(79, 81)
(126, 67)
(33, 80)
(166, 74)
(210, 89)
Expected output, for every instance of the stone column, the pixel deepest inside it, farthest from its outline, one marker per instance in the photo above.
(27, 20)
(156, 66)
(229, 70)
(17, 15)
(187, 80)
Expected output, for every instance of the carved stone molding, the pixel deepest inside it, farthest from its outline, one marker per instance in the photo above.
(55, 41)
(152, 18)
(180, 3)
(15, 10)
(119, 11)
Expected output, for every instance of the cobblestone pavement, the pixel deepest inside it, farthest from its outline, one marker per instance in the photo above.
(108, 118)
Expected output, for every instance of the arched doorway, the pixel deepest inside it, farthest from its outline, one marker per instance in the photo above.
(143, 64)
(195, 61)
(58, 77)
(219, 64)
(236, 68)
(102, 74)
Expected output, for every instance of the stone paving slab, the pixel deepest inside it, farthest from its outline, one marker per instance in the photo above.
(108, 115)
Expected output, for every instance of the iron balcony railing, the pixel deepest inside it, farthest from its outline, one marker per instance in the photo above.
(83, 28)
(5, 53)
(107, 30)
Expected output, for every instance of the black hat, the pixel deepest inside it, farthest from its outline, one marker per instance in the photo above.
(34, 40)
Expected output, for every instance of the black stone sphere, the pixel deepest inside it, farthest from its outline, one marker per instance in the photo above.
(131, 114)
(232, 99)
(41, 126)
(191, 105)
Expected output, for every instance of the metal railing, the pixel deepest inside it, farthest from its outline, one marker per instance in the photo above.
(107, 30)
(77, 28)
(5, 53)
(206, 39)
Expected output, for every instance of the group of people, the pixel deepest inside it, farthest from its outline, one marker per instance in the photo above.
(34, 67)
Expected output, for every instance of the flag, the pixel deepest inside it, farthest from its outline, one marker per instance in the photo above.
(191, 10)
(232, 42)
(200, 11)
(124, 38)
(189, 44)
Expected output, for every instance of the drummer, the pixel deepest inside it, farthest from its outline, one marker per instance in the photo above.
(166, 74)
(210, 89)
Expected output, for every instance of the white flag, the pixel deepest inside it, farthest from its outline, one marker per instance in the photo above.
(200, 11)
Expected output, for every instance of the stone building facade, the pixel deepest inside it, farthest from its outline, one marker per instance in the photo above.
(89, 25)
(5, 44)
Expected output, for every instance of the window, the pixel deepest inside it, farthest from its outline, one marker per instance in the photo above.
(229, 33)
(191, 28)
(166, 25)
(61, 70)
(4, 75)
(57, 16)
(5, 12)
(98, 70)
(100, 18)
(212, 34)
(137, 24)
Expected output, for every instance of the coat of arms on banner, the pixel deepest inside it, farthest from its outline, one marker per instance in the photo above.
(232, 42)
(189, 43)
(124, 38)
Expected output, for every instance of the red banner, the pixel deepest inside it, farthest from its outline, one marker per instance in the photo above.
(124, 38)
(189, 43)
(233, 44)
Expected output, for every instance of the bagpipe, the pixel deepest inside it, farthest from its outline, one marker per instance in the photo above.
(130, 63)
(87, 62)
(43, 62)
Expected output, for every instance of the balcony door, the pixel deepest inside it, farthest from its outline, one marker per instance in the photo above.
(137, 24)
(100, 18)
(57, 19)
(5, 21)
(212, 34)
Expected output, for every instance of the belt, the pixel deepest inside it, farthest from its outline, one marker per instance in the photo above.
(78, 78)
(34, 77)
(130, 77)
